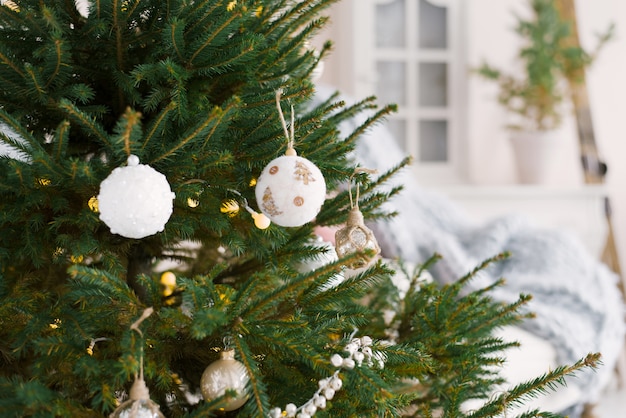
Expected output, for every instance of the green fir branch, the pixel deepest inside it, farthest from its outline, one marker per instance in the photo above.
(128, 133)
(87, 123)
(550, 381)
(259, 390)
(225, 25)
(203, 130)
(159, 124)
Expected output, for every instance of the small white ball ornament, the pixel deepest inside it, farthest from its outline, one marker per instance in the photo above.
(290, 190)
(222, 375)
(135, 201)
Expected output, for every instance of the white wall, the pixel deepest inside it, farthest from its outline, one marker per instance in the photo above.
(490, 36)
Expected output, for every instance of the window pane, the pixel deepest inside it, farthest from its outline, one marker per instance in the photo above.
(433, 26)
(390, 27)
(433, 84)
(391, 84)
(397, 127)
(433, 145)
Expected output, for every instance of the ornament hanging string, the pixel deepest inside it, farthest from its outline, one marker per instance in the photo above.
(289, 133)
(358, 170)
(135, 327)
(139, 403)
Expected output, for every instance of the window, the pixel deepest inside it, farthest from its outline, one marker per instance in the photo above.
(409, 52)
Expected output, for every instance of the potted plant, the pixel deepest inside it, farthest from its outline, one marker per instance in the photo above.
(536, 97)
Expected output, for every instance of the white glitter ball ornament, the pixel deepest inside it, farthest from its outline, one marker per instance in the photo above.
(135, 201)
(290, 190)
(222, 375)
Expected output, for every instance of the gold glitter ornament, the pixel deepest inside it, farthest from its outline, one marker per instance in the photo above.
(168, 283)
(170, 292)
(192, 203)
(230, 207)
(93, 204)
(11, 5)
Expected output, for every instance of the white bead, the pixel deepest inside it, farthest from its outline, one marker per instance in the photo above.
(319, 401)
(348, 363)
(351, 348)
(367, 351)
(323, 383)
(358, 357)
(310, 409)
(329, 393)
(291, 410)
(336, 360)
(366, 341)
(275, 413)
(303, 415)
(336, 383)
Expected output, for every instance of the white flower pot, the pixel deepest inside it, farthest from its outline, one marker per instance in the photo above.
(536, 154)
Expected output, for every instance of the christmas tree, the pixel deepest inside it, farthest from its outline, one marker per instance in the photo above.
(136, 243)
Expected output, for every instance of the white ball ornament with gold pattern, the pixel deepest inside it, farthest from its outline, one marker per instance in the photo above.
(291, 189)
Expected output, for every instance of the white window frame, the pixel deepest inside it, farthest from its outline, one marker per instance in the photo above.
(356, 57)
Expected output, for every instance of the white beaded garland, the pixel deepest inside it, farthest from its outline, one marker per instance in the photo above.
(135, 201)
(290, 190)
(359, 350)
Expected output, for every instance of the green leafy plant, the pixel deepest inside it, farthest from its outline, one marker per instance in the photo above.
(550, 62)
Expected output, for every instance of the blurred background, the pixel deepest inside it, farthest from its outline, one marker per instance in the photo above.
(421, 54)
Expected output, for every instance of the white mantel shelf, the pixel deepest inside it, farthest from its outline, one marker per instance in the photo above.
(577, 209)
